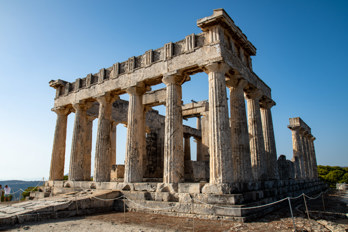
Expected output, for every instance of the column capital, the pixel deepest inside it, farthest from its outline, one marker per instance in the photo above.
(303, 132)
(253, 93)
(238, 83)
(294, 128)
(107, 98)
(216, 67)
(138, 89)
(175, 78)
(187, 136)
(82, 105)
(309, 136)
(91, 117)
(267, 103)
(62, 110)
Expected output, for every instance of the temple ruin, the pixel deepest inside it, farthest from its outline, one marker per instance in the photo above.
(236, 154)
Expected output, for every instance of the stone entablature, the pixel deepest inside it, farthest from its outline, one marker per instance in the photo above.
(188, 56)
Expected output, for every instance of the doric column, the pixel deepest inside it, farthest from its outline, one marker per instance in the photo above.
(102, 163)
(205, 136)
(239, 133)
(88, 149)
(113, 142)
(257, 146)
(173, 136)
(221, 170)
(268, 136)
(305, 153)
(199, 141)
(188, 169)
(309, 156)
(187, 147)
(58, 151)
(136, 145)
(79, 142)
(297, 152)
(313, 158)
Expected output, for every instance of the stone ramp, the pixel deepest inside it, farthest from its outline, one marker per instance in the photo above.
(67, 205)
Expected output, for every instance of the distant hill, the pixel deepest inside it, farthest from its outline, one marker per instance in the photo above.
(16, 185)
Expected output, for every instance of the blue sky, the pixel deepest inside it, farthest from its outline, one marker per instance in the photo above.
(301, 55)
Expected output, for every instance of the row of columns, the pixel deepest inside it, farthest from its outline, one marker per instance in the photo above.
(304, 156)
(240, 150)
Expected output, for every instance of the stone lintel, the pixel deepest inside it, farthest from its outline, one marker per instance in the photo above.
(195, 109)
(155, 98)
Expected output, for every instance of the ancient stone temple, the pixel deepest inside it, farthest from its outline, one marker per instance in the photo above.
(236, 153)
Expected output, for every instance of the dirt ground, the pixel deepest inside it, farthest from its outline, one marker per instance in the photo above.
(332, 216)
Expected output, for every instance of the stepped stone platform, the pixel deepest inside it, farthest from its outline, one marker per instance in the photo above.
(68, 198)
(65, 205)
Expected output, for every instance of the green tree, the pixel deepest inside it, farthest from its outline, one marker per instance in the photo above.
(334, 176)
(344, 178)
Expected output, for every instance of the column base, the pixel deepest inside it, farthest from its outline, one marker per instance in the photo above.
(223, 188)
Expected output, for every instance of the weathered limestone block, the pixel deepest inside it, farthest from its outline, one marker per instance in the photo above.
(135, 150)
(190, 187)
(173, 139)
(117, 172)
(220, 134)
(200, 170)
(58, 150)
(102, 164)
(268, 135)
(79, 143)
(257, 146)
(239, 133)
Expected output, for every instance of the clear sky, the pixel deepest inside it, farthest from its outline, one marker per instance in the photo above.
(301, 54)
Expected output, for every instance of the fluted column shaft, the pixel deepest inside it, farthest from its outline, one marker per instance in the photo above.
(79, 143)
(309, 156)
(239, 134)
(58, 150)
(221, 170)
(257, 146)
(136, 147)
(199, 141)
(88, 149)
(297, 153)
(102, 163)
(187, 147)
(305, 154)
(205, 136)
(314, 158)
(113, 142)
(173, 136)
(268, 136)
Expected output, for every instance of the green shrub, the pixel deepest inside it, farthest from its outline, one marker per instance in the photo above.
(27, 191)
(333, 174)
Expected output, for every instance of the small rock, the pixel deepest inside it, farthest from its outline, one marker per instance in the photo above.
(26, 228)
